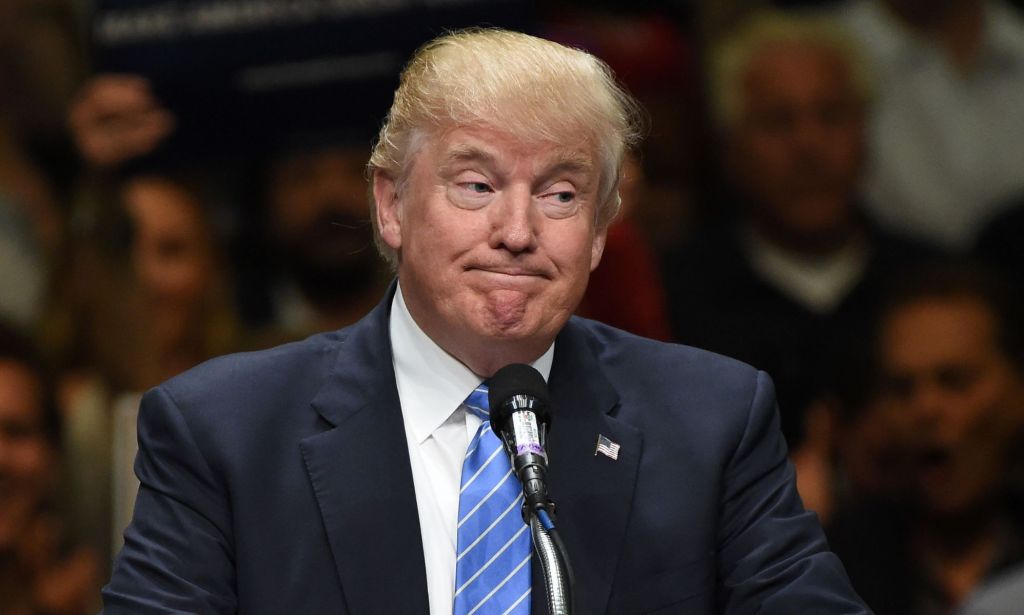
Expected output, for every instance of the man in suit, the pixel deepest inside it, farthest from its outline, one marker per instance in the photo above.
(324, 476)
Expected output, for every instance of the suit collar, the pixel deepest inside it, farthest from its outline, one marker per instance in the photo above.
(361, 475)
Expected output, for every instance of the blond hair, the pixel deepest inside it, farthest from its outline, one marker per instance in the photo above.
(733, 55)
(535, 89)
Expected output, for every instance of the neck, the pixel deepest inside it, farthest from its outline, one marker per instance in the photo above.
(958, 554)
(816, 245)
(488, 356)
(482, 356)
(951, 536)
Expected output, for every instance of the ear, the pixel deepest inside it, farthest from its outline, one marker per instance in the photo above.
(597, 248)
(389, 222)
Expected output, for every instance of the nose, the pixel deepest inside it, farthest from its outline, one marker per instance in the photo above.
(928, 405)
(514, 223)
(809, 132)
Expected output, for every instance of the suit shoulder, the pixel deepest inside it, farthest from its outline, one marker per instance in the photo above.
(622, 349)
(678, 390)
(238, 377)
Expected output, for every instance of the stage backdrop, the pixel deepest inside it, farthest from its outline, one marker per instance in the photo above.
(250, 76)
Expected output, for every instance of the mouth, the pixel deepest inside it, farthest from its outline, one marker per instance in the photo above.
(934, 464)
(507, 271)
(933, 456)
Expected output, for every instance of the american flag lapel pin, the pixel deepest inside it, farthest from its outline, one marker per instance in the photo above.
(606, 447)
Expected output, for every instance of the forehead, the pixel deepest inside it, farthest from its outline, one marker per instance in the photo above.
(498, 148)
(155, 203)
(798, 68)
(940, 330)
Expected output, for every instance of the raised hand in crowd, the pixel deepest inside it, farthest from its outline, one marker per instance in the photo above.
(115, 118)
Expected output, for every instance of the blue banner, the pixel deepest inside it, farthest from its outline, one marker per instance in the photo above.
(251, 76)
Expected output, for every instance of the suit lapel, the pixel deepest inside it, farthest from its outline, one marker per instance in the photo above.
(360, 471)
(593, 493)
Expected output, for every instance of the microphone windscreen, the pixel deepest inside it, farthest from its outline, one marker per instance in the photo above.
(516, 379)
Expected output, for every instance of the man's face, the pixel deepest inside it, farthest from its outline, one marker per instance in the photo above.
(798, 143)
(496, 241)
(956, 395)
(319, 220)
(172, 256)
(26, 457)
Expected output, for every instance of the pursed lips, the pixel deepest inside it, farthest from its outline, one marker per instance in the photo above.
(511, 272)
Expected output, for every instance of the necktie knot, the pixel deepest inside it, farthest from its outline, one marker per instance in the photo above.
(477, 402)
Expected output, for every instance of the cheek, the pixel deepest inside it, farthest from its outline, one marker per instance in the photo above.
(983, 411)
(188, 279)
(763, 162)
(846, 151)
(30, 463)
(293, 205)
(181, 279)
(445, 234)
(576, 255)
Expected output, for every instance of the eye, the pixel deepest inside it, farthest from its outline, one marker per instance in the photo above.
(957, 378)
(477, 187)
(560, 200)
(470, 192)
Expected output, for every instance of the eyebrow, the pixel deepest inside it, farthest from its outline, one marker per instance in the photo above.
(572, 163)
(468, 153)
(565, 161)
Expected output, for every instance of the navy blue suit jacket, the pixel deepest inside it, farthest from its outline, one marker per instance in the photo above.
(279, 482)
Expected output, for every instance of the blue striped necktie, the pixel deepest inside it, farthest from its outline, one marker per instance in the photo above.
(492, 571)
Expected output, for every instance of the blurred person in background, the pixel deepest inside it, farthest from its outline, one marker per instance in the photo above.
(40, 572)
(787, 280)
(947, 132)
(309, 263)
(949, 351)
(144, 298)
(35, 81)
(306, 258)
(849, 455)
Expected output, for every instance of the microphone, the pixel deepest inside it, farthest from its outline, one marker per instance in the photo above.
(518, 398)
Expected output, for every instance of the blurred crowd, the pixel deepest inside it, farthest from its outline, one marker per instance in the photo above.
(830, 191)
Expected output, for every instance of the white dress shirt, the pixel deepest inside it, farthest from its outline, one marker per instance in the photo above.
(432, 385)
(947, 145)
(819, 283)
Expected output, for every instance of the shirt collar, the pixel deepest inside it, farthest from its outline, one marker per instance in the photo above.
(432, 383)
